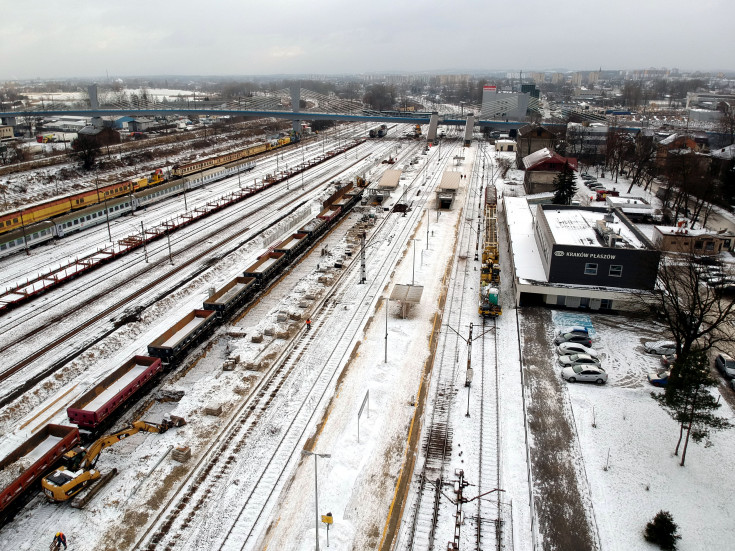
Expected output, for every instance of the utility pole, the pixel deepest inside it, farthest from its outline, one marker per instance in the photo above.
(427, 229)
(107, 211)
(145, 247)
(363, 278)
(168, 236)
(23, 227)
(468, 375)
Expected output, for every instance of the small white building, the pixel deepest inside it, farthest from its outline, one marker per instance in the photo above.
(505, 145)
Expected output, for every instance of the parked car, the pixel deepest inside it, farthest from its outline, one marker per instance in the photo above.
(660, 378)
(708, 260)
(585, 374)
(573, 329)
(660, 347)
(667, 360)
(575, 348)
(726, 365)
(579, 338)
(578, 359)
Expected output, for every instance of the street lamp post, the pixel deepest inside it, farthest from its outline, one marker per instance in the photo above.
(316, 490)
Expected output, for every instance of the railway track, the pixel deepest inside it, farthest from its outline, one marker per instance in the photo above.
(273, 423)
(431, 517)
(30, 382)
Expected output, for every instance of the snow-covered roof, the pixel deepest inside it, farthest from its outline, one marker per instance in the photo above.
(725, 152)
(669, 140)
(542, 155)
(675, 230)
(450, 180)
(577, 227)
(537, 156)
(525, 251)
(389, 179)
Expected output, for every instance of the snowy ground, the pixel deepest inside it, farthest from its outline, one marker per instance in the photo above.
(623, 467)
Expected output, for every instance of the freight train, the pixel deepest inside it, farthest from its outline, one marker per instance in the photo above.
(14, 220)
(490, 271)
(102, 404)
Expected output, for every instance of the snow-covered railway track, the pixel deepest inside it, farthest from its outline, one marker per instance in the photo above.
(463, 436)
(263, 214)
(273, 425)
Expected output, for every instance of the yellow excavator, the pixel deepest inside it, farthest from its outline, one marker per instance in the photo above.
(77, 470)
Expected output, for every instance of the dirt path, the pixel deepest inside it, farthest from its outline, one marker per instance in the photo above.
(558, 499)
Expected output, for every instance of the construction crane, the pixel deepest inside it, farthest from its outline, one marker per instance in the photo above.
(77, 470)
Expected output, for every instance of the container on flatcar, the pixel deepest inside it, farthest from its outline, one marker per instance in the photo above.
(266, 266)
(27, 464)
(101, 401)
(184, 334)
(233, 294)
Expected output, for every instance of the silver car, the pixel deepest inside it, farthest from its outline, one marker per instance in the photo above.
(586, 374)
(660, 347)
(566, 348)
(726, 365)
(578, 359)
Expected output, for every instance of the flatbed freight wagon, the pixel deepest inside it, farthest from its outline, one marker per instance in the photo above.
(267, 265)
(26, 465)
(177, 340)
(292, 245)
(101, 401)
(231, 295)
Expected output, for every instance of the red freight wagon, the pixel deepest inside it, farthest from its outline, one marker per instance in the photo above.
(98, 403)
(30, 462)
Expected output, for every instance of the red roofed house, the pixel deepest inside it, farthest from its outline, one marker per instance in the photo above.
(541, 170)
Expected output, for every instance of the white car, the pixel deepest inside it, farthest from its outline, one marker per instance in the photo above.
(586, 374)
(566, 348)
(578, 359)
(660, 347)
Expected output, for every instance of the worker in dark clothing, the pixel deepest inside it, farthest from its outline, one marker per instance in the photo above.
(59, 540)
(308, 323)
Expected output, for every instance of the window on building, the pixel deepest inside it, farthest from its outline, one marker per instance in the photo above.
(697, 245)
(726, 244)
(709, 246)
(606, 304)
(616, 270)
(590, 269)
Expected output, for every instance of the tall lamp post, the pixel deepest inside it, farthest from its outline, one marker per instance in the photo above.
(316, 490)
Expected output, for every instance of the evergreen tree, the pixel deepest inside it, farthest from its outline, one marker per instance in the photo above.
(564, 188)
(662, 531)
(688, 400)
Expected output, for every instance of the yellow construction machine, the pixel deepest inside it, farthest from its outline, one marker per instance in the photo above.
(77, 470)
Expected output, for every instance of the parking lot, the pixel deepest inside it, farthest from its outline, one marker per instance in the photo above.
(603, 454)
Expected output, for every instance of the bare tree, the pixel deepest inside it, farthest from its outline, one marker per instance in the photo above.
(687, 400)
(697, 314)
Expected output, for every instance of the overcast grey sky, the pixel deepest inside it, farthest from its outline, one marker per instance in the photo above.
(228, 37)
